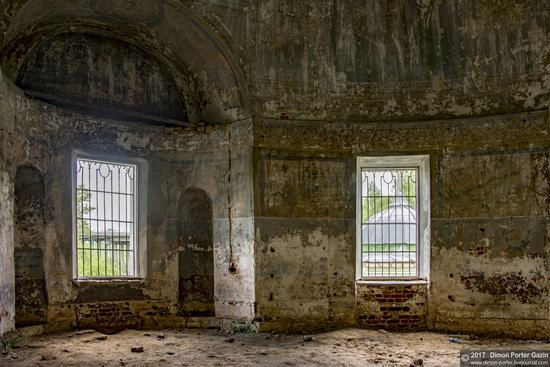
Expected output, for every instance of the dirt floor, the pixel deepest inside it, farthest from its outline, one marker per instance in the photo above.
(348, 347)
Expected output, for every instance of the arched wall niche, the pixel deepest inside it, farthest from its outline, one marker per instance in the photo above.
(196, 256)
(31, 299)
(202, 66)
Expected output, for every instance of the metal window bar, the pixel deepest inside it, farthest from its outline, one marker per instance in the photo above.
(389, 230)
(106, 245)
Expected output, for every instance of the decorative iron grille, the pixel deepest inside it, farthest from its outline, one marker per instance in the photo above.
(389, 233)
(106, 208)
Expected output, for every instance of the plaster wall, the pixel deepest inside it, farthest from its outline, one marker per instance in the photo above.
(489, 240)
(30, 286)
(8, 117)
(177, 159)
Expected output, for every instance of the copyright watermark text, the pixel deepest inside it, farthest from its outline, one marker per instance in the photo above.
(469, 358)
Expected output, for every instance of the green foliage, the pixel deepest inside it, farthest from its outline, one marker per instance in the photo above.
(390, 247)
(390, 269)
(97, 258)
(374, 203)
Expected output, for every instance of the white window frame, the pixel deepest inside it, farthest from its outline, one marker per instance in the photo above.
(422, 164)
(140, 256)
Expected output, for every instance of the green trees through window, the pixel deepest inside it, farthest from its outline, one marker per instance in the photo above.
(375, 202)
(105, 219)
(95, 254)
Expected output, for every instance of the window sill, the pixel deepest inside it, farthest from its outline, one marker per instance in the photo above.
(109, 280)
(360, 282)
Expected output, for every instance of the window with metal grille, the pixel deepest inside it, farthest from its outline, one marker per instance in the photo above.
(393, 218)
(105, 199)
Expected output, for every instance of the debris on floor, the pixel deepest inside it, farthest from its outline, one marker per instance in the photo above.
(345, 347)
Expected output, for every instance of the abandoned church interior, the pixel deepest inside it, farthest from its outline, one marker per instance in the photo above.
(241, 173)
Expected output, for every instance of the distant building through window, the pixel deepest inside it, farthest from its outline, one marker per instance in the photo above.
(105, 217)
(393, 218)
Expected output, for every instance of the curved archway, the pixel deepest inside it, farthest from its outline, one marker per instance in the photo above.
(203, 67)
(196, 257)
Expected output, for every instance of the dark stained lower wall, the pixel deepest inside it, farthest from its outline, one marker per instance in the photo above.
(291, 262)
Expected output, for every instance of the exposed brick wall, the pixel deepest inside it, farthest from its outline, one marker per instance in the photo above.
(159, 310)
(111, 316)
(392, 307)
(115, 316)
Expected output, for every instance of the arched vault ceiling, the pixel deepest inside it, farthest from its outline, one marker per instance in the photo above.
(200, 62)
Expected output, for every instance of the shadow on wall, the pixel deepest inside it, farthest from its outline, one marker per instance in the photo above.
(196, 257)
(31, 300)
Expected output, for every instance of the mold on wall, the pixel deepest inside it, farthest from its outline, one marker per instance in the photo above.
(102, 76)
(196, 257)
(385, 60)
(7, 282)
(8, 147)
(305, 250)
(188, 48)
(31, 298)
(493, 227)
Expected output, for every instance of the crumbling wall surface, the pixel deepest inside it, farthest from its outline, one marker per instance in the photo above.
(360, 60)
(31, 303)
(196, 258)
(160, 50)
(397, 307)
(329, 81)
(8, 106)
(177, 159)
(103, 70)
(387, 60)
(491, 242)
(236, 279)
(489, 237)
(304, 251)
(214, 159)
(10, 8)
